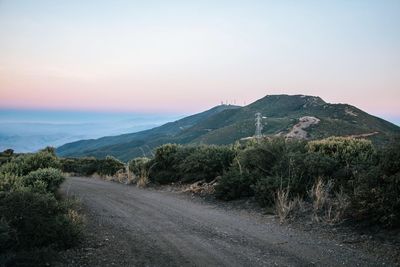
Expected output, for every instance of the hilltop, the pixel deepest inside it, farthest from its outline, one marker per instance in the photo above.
(294, 116)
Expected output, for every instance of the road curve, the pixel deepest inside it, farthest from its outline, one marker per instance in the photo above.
(165, 229)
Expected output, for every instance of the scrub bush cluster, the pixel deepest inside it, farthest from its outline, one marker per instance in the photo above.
(34, 221)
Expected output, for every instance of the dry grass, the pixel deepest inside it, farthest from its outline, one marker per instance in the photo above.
(328, 207)
(337, 209)
(285, 207)
(143, 180)
(130, 178)
(319, 193)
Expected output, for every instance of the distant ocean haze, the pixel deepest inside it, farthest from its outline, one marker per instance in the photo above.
(31, 130)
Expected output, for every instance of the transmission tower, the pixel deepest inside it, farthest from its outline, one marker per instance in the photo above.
(259, 126)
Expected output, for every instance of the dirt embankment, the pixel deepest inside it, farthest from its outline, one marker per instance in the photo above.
(298, 131)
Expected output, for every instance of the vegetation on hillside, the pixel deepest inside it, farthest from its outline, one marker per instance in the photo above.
(341, 178)
(226, 124)
(34, 221)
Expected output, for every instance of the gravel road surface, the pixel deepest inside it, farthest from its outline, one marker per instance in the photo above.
(152, 228)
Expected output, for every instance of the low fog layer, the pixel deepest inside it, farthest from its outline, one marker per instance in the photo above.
(28, 131)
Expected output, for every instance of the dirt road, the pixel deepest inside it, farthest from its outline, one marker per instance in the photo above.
(152, 228)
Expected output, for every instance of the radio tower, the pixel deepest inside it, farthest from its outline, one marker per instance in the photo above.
(259, 126)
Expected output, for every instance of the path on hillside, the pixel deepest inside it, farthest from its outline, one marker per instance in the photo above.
(153, 228)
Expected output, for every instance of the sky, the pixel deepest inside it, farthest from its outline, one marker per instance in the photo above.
(187, 56)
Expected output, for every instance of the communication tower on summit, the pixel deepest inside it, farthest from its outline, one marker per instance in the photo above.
(259, 126)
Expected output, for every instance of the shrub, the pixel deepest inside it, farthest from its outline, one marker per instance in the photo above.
(110, 166)
(165, 163)
(32, 221)
(320, 165)
(44, 180)
(88, 166)
(259, 159)
(269, 166)
(7, 235)
(9, 182)
(24, 164)
(205, 162)
(389, 158)
(265, 190)
(174, 163)
(15, 166)
(328, 206)
(234, 184)
(35, 220)
(348, 151)
(41, 160)
(82, 166)
(165, 155)
(6, 156)
(141, 168)
(138, 165)
(350, 177)
(376, 198)
(348, 156)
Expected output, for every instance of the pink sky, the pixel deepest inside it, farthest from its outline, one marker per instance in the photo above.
(189, 57)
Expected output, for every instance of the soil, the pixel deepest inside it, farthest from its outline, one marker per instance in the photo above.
(128, 226)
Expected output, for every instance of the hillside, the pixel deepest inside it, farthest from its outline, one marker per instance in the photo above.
(285, 115)
(136, 144)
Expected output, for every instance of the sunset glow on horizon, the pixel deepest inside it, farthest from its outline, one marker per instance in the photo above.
(187, 56)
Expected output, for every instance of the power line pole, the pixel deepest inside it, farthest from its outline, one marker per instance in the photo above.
(259, 126)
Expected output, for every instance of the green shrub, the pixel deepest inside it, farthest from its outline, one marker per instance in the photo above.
(32, 221)
(376, 195)
(165, 155)
(349, 152)
(82, 166)
(165, 164)
(138, 165)
(44, 180)
(205, 162)
(7, 235)
(376, 199)
(9, 182)
(258, 159)
(35, 220)
(369, 179)
(15, 166)
(41, 160)
(349, 156)
(268, 166)
(320, 165)
(88, 166)
(265, 189)
(25, 163)
(174, 163)
(389, 158)
(109, 166)
(234, 184)
(6, 156)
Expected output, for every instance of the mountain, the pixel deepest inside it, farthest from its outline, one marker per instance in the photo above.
(294, 116)
(126, 146)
